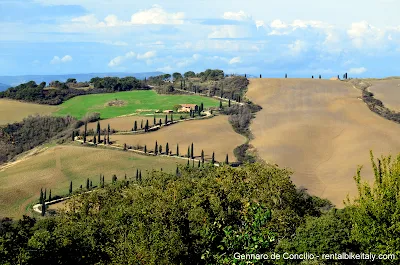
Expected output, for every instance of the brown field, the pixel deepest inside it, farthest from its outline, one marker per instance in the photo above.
(321, 130)
(211, 135)
(126, 123)
(387, 91)
(13, 111)
(54, 168)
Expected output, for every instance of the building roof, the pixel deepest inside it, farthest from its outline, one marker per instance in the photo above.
(188, 105)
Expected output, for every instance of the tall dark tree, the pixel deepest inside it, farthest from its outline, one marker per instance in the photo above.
(245, 75)
(105, 139)
(45, 195)
(201, 107)
(140, 176)
(188, 162)
(73, 135)
(85, 132)
(198, 164)
(141, 125)
(220, 104)
(285, 75)
(188, 153)
(154, 120)
(41, 196)
(50, 195)
(70, 187)
(226, 159)
(145, 149)
(213, 158)
(177, 149)
(43, 207)
(135, 126)
(202, 156)
(98, 132)
(137, 175)
(125, 147)
(94, 139)
(159, 122)
(166, 119)
(319, 76)
(260, 76)
(312, 77)
(172, 118)
(192, 151)
(177, 171)
(156, 148)
(146, 127)
(100, 181)
(87, 183)
(108, 134)
(160, 149)
(103, 182)
(229, 103)
(90, 184)
(167, 149)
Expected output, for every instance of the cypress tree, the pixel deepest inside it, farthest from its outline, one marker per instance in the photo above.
(87, 184)
(213, 158)
(70, 187)
(45, 195)
(159, 123)
(188, 163)
(160, 149)
(166, 119)
(80, 187)
(220, 104)
(108, 134)
(192, 152)
(85, 132)
(177, 170)
(105, 139)
(91, 184)
(125, 176)
(172, 118)
(145, 149)
(135, 126)
(103, 182)
(50, 195)
(260, 75)
(156, 148)
(140, 176)
(98, 131)
(146, 127)
(312, 77)
(43, 208)
(229, 103)
(202, 156)
(94, 139)
(319, 76)
(141, 125)
(285, 75)
(226, 159)
(177, 149)
(154, 120)
(73, 135)
(125, 147)
(201, 106)
(167, 148)
(41, 196)
(198, 164)
(245, 76)
(192, 162)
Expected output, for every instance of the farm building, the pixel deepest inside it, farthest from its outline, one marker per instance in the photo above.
(188, 107)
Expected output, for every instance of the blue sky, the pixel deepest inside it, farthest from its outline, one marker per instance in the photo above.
(301, 38)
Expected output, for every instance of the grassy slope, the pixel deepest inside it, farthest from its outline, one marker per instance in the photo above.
(54, 169)
(321, 130)
(136, 100)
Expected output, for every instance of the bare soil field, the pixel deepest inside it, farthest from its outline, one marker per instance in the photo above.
(13, 111)
(126, 123)
(211, 135)
(54, 168)
(319, 129)
(387, 91)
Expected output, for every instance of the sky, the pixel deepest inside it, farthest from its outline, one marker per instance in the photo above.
(300, 38)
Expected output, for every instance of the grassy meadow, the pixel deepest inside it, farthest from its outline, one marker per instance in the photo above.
(55, 167)
(146, 101)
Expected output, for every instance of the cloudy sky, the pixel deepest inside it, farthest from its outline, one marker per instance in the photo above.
(301, 38)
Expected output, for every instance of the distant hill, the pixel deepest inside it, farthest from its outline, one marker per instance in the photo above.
(16, 80)
(3, 87)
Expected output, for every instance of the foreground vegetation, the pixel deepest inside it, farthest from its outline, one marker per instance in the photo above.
(205, 215)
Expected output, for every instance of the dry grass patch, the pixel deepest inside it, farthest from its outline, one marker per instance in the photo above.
(54, 169)
(387, 91)
(321, 130)
(14, 111)
(211, 135)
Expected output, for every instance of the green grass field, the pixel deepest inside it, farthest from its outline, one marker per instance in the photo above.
(143, 101)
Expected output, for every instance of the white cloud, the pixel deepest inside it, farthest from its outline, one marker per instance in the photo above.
(297, 47)
(57, 60)
(359, 70)
(116, 43)
(165, 69)
(278, 24)
(147, 55)
(229, 32)
(157, 15)
(362, 34)
(120, 59)
(235, 60)
(239, 16)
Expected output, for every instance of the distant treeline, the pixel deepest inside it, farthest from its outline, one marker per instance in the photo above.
(22, 136)
(58, 92)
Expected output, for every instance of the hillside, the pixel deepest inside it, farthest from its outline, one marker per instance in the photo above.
(321, 130)
(19, 79)
(387, 91)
